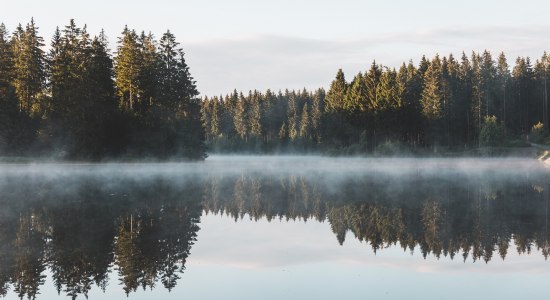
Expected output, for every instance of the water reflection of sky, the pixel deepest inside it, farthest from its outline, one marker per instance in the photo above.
(246, 259)
(297, 260)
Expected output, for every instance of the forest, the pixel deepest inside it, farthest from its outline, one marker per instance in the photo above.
(78, 101)
(443, 103)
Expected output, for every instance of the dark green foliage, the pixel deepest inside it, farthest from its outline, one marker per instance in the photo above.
(79, 102)
(262, 122)
(492, 133)
(336, 95)
(142, 103)
(439, 104)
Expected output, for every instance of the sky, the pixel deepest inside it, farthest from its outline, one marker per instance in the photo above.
(247, 44)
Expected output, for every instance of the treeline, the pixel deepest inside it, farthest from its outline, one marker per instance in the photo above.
(263, 122)
(442, 102)
(78, 101)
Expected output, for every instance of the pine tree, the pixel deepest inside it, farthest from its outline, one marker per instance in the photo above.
(148, 74)
(503, 80)
(357, 95)
(239, 118)
(316, 113)
(254, 115)
(9, 105)
(100, 70)
(127, 69)
(488, 74)
(478, 92)
(29, 66)
(523, 76)
(268, 120)
(305, 124)
(432, 101)
(214, 118)
(432, 98)
(178, 103)
(372, 79)
(6, 56)
(292, 117)
(335, 97)
(386, 92)
(541, 88)
(82, 93)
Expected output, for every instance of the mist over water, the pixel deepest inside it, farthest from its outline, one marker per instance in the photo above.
(220, 165)
(121, 227)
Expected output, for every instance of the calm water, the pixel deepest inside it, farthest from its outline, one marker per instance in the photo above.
(276, 228)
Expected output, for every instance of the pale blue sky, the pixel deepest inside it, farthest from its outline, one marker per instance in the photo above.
(247, 44)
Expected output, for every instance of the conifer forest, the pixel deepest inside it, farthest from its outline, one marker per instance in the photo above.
(78, 101)
(457, 104)
(76, 98)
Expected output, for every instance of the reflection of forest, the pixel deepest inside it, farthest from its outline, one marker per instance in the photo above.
(440, 216)
(78, 235)
(144, 228)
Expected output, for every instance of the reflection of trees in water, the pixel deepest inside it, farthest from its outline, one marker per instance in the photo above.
(79, 236)
(153, 245)
(468, 217)
(145, 229)
(29, 256)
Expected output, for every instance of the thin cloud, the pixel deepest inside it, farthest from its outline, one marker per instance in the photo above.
(279, 62)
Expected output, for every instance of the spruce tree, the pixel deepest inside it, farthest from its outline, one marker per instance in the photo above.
(357, 95)
(292, 117)
(214, 118)
(503, 80)
(29, 66)
(255, 114)
(335, 96)
(6, 56)
(372, 79)
(432, 98)
(127, 69)
(305, 124)
(239, 118)
(178, 103)
(148, 75)
(316, 114)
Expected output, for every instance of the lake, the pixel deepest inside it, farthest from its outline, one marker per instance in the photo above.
(286, 227)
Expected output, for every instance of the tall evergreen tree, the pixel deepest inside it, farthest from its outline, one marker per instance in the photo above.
(372, 79)
(255, 115)
(292, 117)
(305, 124)
(29, 66)
(503, 80)
(432, 96)
(335, 96)
(6, 56)
(127, 69)
(239, 118)
(357, 95)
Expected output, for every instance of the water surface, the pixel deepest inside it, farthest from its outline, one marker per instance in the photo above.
(276, 227)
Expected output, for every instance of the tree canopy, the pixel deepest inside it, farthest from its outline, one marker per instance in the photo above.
(79, 101)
